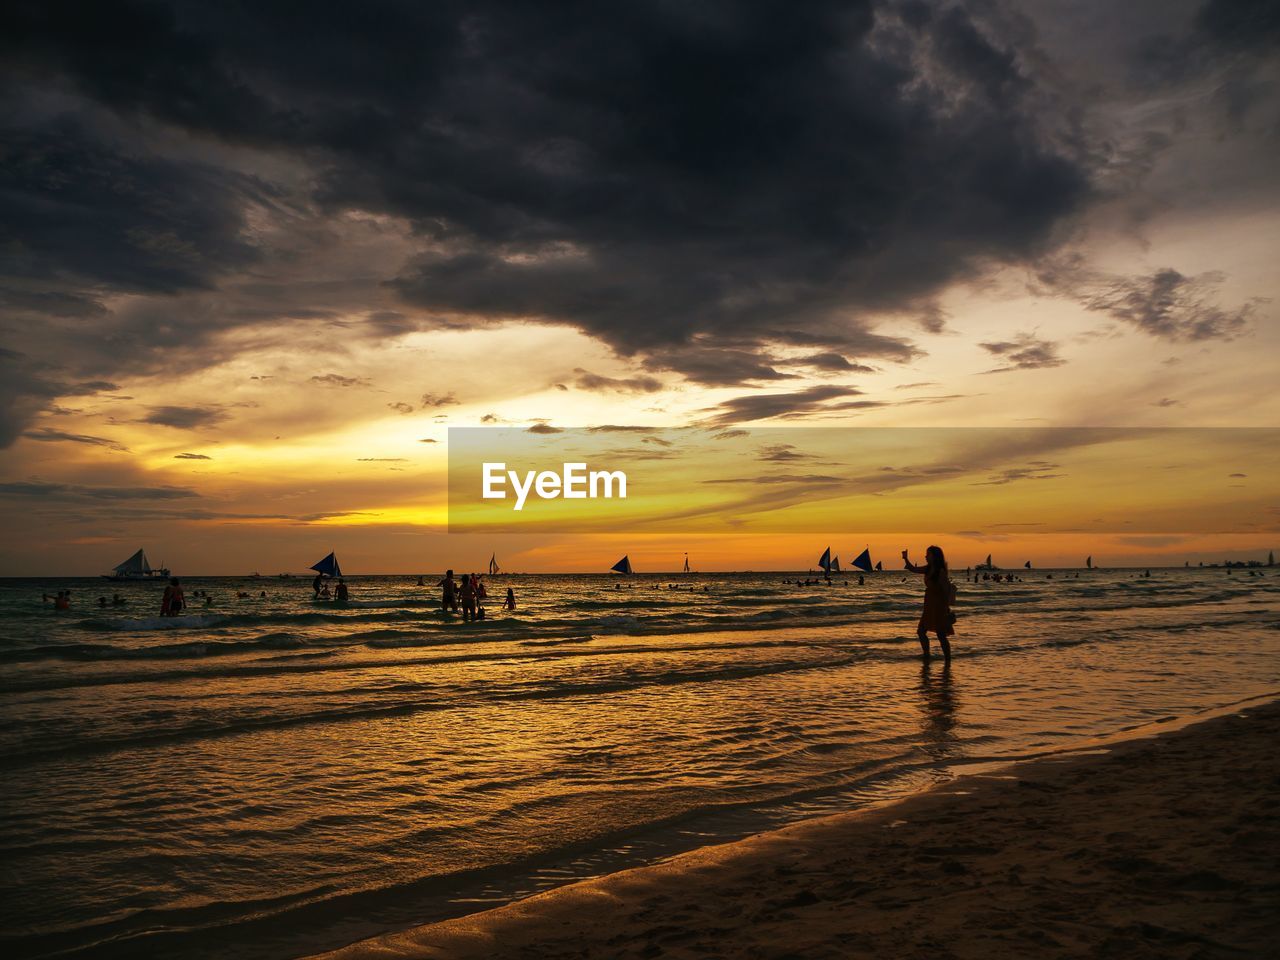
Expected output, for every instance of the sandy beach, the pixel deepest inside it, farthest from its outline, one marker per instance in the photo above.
(1162, 847)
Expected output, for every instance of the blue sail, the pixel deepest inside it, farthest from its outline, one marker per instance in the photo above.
(824, 561)
(863, 561)
(622, 566)
(328, 566)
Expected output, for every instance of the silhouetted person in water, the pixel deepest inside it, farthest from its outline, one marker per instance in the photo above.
(173, 602)
(936, 615)
(449, 592)
(467, 594)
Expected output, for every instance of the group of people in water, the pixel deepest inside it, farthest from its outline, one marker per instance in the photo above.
(467, 596)
(321, 587)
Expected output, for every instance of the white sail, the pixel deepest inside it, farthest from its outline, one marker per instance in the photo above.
(137, 564)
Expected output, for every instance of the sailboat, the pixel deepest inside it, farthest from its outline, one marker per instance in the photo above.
(136, 568)
(1088, 562)
(1271, 558)
(879, 566)
(622, 566)
(328, 566)
(493, 565)
(835, 565)
(824, 561)
(863, 561)
(686, 563)
(986, 564)
(1027, 564)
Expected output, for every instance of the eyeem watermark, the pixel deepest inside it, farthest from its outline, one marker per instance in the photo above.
(574, 482)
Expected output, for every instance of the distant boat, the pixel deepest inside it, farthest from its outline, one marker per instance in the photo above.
(986, 564)
(835, 564)
(879, 566)
(136, 568)
(1271, 558)
(1088, 562)
(328, 566)
(686, 563)
(863, 561)
(622, 566)
(493, 565)
(1027, 564)
(824, 561)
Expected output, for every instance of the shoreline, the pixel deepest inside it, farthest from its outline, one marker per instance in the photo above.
(1067, 867)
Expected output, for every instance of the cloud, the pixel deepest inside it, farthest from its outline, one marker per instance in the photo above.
(587, 380)
(1171, 306)
(1036, 470)
(831, 361)
(39, 489)
(338, 380)
(381, 460)
(1165, 402)
(428, 440)
(808, 479)
(432, 401)
(781, 453)
(1025, 351)
(47, 435)
(590, 171)
(76, 206)
(399, 407)
(765, 406)
(191, 456)
(544, 428)
(184, 418)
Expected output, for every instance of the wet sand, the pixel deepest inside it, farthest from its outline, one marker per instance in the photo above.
(1166, 847)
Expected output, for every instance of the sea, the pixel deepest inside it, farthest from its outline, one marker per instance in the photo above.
(268, 776)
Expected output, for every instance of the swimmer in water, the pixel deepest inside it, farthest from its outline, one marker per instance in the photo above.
(172, 602)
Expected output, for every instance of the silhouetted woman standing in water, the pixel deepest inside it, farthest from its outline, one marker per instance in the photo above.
(937, 615)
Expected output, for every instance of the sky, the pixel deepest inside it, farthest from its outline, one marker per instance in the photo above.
(257, 259)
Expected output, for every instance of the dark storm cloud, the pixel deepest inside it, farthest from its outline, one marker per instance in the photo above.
(756, 171)
(1230, 40)
(717, 366)
(184, 418)
(694, 185)
(1026, 351)
(74, 207)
